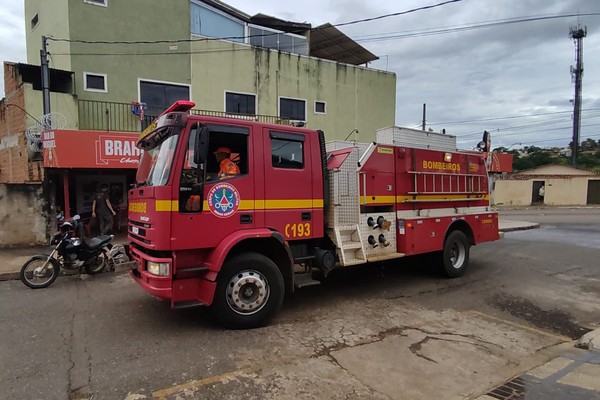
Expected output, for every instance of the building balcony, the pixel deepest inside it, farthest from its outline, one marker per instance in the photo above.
(119, 117)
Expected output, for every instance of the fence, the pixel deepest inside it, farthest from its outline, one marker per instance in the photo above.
(111, 116)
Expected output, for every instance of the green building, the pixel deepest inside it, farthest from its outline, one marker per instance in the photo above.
(258, 65)
(114, 65)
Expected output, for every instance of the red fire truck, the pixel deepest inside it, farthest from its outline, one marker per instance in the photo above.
(296, 207)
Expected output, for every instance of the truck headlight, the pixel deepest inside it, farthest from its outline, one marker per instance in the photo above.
(157, 268)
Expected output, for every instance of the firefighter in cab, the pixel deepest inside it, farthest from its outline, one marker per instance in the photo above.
(227, 168)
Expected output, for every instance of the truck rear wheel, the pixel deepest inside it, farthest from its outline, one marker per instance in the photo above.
(249, 291)
(455, 256)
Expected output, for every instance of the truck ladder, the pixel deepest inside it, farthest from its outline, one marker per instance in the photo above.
(445, 183)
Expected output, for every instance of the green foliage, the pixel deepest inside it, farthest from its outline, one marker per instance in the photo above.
(588, 157)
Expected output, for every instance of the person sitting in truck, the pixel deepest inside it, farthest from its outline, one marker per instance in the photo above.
(227, 168)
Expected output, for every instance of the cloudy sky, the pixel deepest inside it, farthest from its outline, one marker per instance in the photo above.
(512, 79)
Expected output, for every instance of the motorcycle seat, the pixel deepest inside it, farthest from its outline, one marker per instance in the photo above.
(98, 241)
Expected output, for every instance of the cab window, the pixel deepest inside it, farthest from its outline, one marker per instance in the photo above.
(228, 153)
(287, 150)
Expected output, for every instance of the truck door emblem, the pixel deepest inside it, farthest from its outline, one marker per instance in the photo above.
(223, 200)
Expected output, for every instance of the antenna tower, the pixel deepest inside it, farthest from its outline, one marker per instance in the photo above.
(577, 34)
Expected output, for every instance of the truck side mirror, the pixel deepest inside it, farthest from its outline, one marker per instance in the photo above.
(201, 146)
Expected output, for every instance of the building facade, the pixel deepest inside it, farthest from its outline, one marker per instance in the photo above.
(562, 185)
(115, 65)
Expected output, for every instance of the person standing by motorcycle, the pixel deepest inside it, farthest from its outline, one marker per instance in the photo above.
(102, 207)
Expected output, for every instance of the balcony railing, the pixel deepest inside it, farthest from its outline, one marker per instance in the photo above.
(111, 116)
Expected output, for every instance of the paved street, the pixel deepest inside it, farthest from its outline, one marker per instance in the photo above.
(393, 331)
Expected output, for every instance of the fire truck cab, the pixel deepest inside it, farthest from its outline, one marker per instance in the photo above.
(239, 241)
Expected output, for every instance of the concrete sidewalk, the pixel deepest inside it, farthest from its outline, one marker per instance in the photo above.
(574, 375)
(11, 260)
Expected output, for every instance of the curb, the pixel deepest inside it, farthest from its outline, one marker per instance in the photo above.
(520, 228)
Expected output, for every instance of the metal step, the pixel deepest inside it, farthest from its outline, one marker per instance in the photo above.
(304, 280)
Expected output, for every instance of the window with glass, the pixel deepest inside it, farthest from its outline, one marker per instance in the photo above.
(228, 152)
(159, 96)
(240, 103)
(320, 107)
(287, 150)
(292, 109)
(94, 82)
(271, 39)
(190, 182)
(207, 21)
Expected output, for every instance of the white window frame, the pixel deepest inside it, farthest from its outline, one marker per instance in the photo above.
(293, 98)
(238, 92)
(139, 80)
(85, 75)
(325, 107)
(103, 3)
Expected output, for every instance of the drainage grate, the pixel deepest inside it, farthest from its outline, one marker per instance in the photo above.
(513, 390)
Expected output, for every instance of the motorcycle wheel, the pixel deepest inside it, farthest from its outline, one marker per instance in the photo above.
(98, 264)
(35, 274)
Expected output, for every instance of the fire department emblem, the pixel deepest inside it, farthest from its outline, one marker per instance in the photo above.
(223, 200)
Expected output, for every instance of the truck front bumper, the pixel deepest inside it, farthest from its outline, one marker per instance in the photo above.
(183, 290)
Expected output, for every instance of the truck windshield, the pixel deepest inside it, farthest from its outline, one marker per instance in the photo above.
(156, 164)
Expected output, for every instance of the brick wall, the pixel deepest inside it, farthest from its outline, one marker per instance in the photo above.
(15, 166)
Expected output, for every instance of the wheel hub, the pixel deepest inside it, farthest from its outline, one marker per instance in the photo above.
(457, 255)
(247, 292)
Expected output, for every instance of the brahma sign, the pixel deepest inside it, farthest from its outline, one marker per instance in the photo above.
(90, 149)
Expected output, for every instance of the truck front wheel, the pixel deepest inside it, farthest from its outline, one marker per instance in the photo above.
(249, 291)
(455, 255)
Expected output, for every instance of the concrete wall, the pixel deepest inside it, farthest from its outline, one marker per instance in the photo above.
(53, 17)
(567, 191)
(62, 103)
(130, 20)
(22, 221)
(355, 97)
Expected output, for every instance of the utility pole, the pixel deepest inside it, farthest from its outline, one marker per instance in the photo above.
(577, 34)
(424, 113)
(45, 82)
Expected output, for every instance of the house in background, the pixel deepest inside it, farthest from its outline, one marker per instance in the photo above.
(103, 93)
(563, 185)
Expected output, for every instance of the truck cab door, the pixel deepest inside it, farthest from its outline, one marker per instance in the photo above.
(288, 183)
(212, 207)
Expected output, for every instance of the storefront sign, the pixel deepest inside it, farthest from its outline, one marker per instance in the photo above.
(90, 149)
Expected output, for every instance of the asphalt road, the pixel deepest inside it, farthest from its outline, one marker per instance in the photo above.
(105, 338)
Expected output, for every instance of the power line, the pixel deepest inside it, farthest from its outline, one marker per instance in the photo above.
(508, 117)
(534, 124)
(358, 21)
(128, 42)
(533, 132)
(462, 28)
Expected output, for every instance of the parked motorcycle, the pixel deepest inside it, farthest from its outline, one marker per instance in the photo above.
(72, 252)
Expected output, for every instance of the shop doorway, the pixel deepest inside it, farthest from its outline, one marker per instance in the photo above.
(593, 192)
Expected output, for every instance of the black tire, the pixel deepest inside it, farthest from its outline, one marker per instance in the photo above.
(98, 264)
(455, 256)
(39, 279)
(263, 289)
